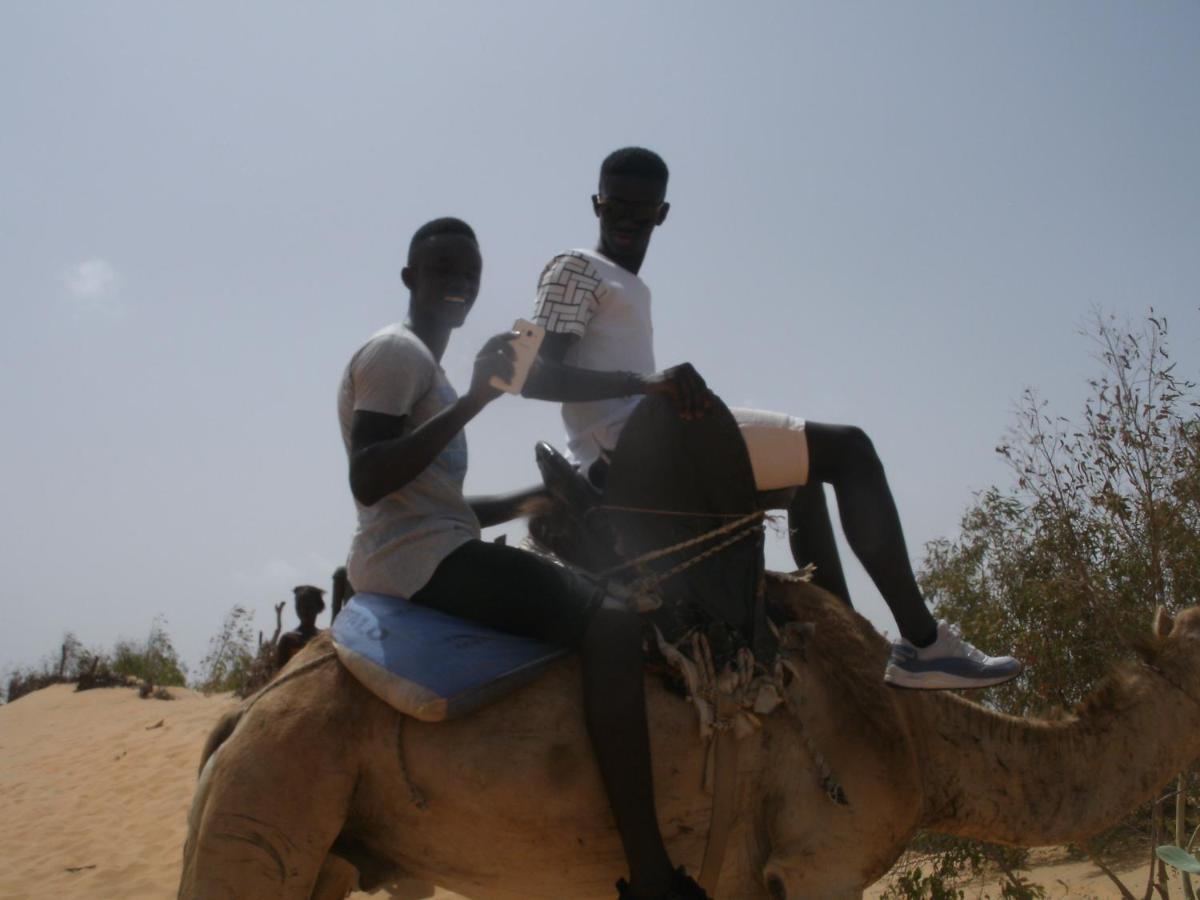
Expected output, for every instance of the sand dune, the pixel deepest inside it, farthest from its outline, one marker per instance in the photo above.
(95, 787)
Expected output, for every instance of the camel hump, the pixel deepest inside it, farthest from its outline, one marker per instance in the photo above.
(430, 665)
(671, 481)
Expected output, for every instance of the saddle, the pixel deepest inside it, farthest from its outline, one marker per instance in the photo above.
(430, 665)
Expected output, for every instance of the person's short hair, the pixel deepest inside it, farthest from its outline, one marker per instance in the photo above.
(309, 593)
(445, 225)
(636, 162)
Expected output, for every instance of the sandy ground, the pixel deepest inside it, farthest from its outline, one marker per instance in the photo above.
(95, 787)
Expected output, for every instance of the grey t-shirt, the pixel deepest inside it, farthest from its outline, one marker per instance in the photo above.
(402, 538)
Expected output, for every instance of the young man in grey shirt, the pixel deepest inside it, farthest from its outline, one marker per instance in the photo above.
(418, 536)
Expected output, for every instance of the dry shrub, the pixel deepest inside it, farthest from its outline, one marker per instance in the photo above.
(150, 662)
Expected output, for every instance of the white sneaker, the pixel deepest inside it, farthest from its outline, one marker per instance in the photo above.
(949, 662)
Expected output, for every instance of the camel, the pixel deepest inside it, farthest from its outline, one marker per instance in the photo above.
(314, 783)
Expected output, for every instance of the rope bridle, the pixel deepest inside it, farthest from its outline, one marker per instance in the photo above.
(741, 526)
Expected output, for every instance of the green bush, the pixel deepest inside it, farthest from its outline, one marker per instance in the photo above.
(230, 662)
(1101, 525)
(939, 863)
(153, 660)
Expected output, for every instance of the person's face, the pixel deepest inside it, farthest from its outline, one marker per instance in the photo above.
(629, 209)
(444, 278)
(307, 609)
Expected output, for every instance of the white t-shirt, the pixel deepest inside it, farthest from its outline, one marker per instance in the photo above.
(608, 308)
(401, 540)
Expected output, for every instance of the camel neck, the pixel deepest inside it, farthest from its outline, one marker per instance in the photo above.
(1003, 779)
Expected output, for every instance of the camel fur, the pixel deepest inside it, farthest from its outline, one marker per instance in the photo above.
(315, 774)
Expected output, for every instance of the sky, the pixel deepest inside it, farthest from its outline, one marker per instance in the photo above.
(891, 215)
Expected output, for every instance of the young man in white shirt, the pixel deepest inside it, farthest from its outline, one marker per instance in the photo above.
(597, 358)
(418, 536)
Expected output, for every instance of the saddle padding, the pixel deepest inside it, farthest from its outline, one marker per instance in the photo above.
(430, 665)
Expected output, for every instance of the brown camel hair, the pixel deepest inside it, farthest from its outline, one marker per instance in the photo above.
(316, 774)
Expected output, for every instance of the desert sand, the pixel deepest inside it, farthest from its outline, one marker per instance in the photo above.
(95, 787)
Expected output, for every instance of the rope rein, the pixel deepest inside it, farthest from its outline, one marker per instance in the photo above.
(663, 512)
(642, 589)
(743, 519)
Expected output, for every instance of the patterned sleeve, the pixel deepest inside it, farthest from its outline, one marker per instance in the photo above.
(569, 292)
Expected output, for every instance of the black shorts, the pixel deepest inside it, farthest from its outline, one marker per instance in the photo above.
(513, 591)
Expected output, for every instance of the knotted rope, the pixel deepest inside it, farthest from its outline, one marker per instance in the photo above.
(741, 527)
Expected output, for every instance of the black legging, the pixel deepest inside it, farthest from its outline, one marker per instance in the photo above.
(520, 593)
(513, 591)
(843, 456)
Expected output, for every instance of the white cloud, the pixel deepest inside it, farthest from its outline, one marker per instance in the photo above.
(95, 286)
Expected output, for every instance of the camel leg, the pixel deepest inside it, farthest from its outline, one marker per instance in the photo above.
(270, 802)
(336, 879)
(339, 877)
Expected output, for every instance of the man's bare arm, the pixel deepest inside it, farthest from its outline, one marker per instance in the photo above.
(552, 379)
(383, 459)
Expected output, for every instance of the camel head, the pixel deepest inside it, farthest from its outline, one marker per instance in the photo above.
(825, 797)
(1173, 650)
(839, 756)
(566, 518)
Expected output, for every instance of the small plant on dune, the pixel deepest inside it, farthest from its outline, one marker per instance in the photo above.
(96, 671)
(917, 884)
(937, 864)
(231, 655)
(153, 660)
(26, 681)
(71, 661)
(1178, 858)
(262, 669)
(1177, 855)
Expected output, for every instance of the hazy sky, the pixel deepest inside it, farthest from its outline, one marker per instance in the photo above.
(895, 215)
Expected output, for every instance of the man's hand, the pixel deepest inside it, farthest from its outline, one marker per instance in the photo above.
(494, 360)
(684, 386)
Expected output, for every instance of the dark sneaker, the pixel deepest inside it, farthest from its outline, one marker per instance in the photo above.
(949, 662)
(682, 888)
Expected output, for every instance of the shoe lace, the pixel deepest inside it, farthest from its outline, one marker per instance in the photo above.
(962, 646)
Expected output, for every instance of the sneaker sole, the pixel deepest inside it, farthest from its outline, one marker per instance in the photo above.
(941, 681)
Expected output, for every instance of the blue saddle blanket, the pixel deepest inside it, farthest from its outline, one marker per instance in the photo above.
(430, 665)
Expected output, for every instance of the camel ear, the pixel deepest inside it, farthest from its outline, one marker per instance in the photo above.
(1163, 623)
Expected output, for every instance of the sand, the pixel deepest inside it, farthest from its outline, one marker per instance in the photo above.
(95, 788)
